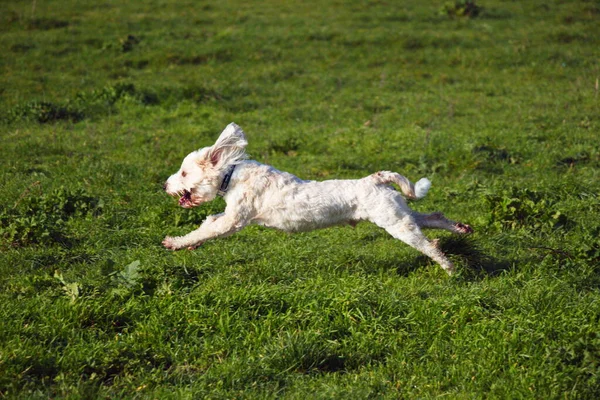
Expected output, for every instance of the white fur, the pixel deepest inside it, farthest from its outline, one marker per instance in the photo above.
(422, 187)
(260, 194)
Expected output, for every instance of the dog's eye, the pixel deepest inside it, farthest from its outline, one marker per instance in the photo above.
(183, 173)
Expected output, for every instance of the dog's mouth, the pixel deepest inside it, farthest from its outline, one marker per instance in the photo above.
(186, 199)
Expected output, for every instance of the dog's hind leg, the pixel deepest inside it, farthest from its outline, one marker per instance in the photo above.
(410, 233)
(437, 220)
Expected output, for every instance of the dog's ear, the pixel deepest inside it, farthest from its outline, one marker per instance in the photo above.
(230, 147)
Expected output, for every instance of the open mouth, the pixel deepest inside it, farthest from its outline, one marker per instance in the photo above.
(186, 199)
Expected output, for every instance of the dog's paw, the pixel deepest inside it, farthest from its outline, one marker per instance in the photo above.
(173, 243)
(463, 228)
(170, 243)
(450, 269)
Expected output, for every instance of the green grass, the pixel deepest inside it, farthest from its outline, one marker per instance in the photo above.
(100, 101)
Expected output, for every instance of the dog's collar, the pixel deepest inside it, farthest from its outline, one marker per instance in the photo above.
(225, 183)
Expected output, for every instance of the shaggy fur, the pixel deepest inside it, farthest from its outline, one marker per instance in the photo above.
(260, 194)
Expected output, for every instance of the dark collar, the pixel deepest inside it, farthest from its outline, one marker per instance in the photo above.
(225, 183)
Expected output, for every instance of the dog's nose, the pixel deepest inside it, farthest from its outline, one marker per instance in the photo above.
(165, 186)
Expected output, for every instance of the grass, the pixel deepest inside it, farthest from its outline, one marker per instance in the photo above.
(101, 101)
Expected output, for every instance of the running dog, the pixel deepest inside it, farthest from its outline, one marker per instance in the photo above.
(260, 194)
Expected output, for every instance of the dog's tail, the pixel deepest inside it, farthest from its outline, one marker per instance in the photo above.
(412, 191)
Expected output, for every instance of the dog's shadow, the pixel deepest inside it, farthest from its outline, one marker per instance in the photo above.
(472, 263)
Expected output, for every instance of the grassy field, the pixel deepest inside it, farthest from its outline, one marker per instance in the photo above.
(101, 100)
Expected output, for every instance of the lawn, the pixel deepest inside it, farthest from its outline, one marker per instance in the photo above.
(500, 109)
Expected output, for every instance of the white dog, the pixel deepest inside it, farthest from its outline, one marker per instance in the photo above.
(260, 194)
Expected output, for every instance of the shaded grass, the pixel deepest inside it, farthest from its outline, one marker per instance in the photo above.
(101, 101)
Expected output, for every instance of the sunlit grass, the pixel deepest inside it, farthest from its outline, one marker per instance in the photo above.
(101, 101)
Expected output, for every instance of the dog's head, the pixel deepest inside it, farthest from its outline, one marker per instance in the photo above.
(202, 171)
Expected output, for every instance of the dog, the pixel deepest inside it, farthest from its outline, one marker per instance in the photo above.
(260, 194)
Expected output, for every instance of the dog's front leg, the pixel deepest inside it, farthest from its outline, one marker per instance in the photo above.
(213, 227)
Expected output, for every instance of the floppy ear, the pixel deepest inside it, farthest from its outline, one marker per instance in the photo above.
(229, 147)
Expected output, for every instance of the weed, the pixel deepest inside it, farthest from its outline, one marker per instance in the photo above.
(43, 219)
(590, 247)
(46, 24)
(44, 112)
(575, 160)
(522, 207)
(128, 43)
(461, 8)
(97, 103)
(71, 289)
(491, 153)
